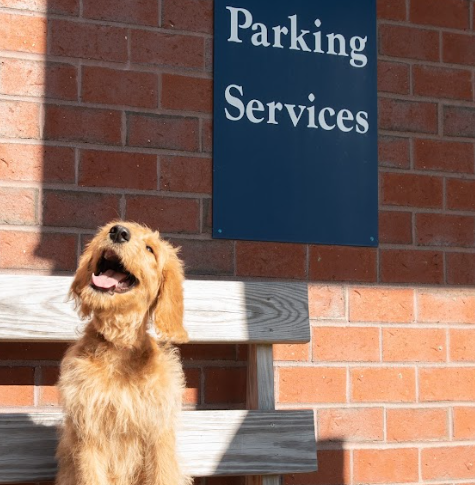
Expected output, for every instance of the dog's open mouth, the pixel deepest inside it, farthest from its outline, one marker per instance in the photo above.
(111, 276)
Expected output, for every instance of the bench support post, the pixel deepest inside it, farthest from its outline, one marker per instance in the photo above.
(260, 394)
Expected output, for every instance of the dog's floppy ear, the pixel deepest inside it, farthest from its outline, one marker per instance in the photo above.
(80, 281)
(168, 317)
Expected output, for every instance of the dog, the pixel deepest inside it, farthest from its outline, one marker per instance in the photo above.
(120, 388)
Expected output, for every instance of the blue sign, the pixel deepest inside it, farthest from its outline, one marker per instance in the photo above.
(295, 121)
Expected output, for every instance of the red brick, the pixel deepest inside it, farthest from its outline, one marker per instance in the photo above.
(408, 42)
(411, 266)
(140, 12)
(447, 463)
(160, 48)
(395, 227)
(334, 468)
(391, 9)
(190, 15)
(32, 350)
(166, 214)
(225, 385)
(209, 55)
(388, 305)
(292, 352)
(123, 87)
(208, 352)
(393, 152)
(192, 394)
(16, 386)
(18, 206)
(393, 77)
(414, 345)
(207, 218)
(340, 263)
(407, 189)
(36, 163)
(441, 155)
(447, 384)
(271, 260)
(462, 345)
(326, 302)
(461, 194)
(460, 268)
(312, 384)
(86, 125)
(60, 7)
(411, 424)
(445, 230)
(206, 136)
(458, 48)
(22, 33)
(442, 82)
(447, 306)
(403, 115)
(159, 131)
(210, 257)
(49, 394)
(186, 174)
(32, 78)
(383, 384)
(117, 169)
(464, 423)
(453, 14)
(78, 209)
(19, 119)
(87, 41)
(359, 424)
(399, 465)
(37, 251)
(345, 344)
(459, 121)
(187, 93)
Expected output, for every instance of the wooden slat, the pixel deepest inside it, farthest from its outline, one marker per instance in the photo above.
(35, 308)
(209, 443)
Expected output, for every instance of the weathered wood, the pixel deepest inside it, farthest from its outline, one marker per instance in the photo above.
(209, 443)
(35, 308)
(260, 394)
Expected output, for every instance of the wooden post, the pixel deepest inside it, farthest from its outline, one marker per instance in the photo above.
(260, 394)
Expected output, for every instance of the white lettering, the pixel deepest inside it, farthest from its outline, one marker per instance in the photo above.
(297, 39)
(233, 101)
(233, 37)
(254, 105)
(323, 121)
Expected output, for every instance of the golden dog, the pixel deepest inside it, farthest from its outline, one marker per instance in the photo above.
(121, 389)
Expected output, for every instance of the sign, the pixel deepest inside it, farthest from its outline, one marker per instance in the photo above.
(295, 121)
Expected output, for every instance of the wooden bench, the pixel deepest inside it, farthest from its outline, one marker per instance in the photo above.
(256, 442)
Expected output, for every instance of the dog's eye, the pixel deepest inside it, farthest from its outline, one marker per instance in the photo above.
(148, 248)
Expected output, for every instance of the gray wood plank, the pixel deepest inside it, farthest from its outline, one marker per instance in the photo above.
(210, 443)
(35, 308)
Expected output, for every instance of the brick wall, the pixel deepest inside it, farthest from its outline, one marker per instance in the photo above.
(105, 111)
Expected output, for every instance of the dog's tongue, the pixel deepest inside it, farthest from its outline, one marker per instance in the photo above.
(109, 279)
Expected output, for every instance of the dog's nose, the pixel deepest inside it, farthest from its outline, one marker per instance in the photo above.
(119, 234)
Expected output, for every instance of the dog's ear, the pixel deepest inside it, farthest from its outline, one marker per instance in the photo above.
(80, 282)
(168, 316)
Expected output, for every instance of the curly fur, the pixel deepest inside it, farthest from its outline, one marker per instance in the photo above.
(121, 389)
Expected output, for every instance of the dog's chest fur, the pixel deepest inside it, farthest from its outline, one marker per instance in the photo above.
(120, 390)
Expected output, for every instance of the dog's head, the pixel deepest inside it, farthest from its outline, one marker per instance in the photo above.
(128, 273)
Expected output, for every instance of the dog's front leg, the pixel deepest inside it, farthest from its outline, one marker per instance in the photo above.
(161, 464)
(91, 463)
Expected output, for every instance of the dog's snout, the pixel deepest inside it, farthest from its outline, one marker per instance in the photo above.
(119, 234)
